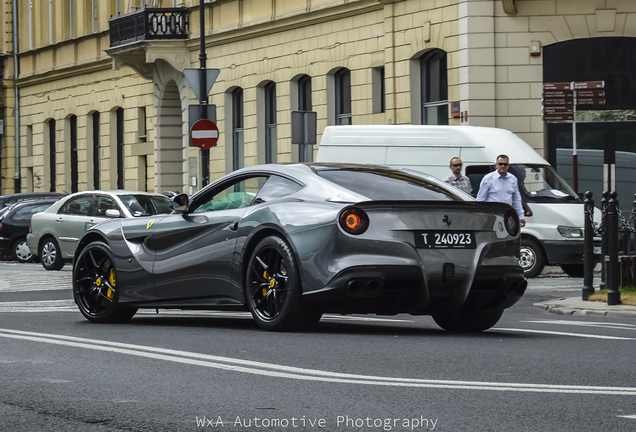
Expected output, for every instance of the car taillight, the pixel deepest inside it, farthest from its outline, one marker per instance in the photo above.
(511, 221)
(354, 220)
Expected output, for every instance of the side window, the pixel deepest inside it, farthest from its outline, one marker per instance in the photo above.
(277, 187)
(79, 205)
(103, 203)
(26, 212)
(237, 195)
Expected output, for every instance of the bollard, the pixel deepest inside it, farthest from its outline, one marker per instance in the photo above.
(588, 247)
(613, 294)
(604, 239)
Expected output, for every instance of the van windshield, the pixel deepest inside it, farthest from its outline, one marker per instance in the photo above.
(542, 184)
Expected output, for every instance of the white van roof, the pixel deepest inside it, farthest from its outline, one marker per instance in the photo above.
(477, 144)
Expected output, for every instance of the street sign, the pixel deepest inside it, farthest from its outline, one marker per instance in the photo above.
(590, 93)
(590, 101)
(204, 134)
(557, 117)
(556, 86)
(589, 85)
(557, 101)
(193, 76)
(558, 93)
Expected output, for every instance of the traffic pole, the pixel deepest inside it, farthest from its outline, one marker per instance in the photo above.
(613, 294)
(588, 257)
(205, 153)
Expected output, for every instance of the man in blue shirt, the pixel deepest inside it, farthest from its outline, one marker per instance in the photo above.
(501, 186)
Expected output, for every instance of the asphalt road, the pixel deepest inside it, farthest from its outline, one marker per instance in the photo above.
(178, 371)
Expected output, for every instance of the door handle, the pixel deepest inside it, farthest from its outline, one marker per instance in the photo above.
(233, 226)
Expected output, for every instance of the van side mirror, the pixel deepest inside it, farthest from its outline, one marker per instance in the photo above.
(179, 203)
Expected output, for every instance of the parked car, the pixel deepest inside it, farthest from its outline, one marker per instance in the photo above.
(289, 242)
(5, 200)
(14, 227)
(54, 233)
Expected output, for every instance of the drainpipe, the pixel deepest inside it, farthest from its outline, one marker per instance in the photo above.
(16, 75)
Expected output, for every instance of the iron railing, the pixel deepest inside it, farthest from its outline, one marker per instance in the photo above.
(617, 246)
(149, 24)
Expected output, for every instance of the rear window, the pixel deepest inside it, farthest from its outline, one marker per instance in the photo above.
(388, 185)
(146, 205)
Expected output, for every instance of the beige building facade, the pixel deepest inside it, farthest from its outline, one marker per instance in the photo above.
(92, 105)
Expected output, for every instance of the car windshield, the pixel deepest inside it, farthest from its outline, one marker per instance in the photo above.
(146, 205)
(388, 185)
(542, 184)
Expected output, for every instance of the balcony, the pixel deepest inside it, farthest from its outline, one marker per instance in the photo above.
(149, 24)
(139, 39)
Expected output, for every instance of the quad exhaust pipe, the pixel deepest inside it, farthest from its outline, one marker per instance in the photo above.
(365, 287)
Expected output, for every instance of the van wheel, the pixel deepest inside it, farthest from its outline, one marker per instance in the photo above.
(532, 259)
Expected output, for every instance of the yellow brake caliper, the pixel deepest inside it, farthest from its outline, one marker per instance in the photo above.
(271, 283)
(113, 281)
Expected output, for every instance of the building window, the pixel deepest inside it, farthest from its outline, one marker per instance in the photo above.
(31, 24)
(52, 155)
(120, 148)
(142, 131)
(305, 151)
(71, 18)
(343, 96)
(378, 90)
(434, 88)
(29, 140)
(73, 145)
(238, 140)
(270, 123)
(51, 22)
(96, 151)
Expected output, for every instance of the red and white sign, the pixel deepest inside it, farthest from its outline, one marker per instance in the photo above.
(204, 134)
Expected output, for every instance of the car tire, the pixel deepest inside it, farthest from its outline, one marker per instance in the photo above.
(274, 290)
(20, 251)
(95, 289)
(50, 254)
(574, 270)
(531, 258)
(468, 321)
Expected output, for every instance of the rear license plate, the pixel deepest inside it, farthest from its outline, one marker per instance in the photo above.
(445, 239)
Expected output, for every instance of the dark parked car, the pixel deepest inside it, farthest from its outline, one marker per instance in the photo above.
(14, 227)
(289, 242)
(5, 200)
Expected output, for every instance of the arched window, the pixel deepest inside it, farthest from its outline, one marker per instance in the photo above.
(96, 149)
(343, 96)
(72, 123)
(52, 155)
(271, 148)
(238, 139)
(305, 151)
(434, 88)
(120, 148)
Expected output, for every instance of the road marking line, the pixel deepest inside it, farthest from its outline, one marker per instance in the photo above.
(590, 336)
(281, 371)
(617, 326)
(633, 416)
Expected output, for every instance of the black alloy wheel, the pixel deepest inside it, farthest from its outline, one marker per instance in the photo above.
(274, 291)
(95, 287)
(468, 321)
(50, 254)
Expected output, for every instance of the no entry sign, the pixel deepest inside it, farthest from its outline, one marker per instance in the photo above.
(204, 134)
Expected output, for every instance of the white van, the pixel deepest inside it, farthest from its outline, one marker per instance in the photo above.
(554, 212)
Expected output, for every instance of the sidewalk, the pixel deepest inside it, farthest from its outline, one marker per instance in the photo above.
(577, 306)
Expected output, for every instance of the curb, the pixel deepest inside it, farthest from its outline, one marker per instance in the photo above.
(577, 306)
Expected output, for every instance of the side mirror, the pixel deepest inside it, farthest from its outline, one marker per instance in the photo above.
(112, 213)
(179, 203)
